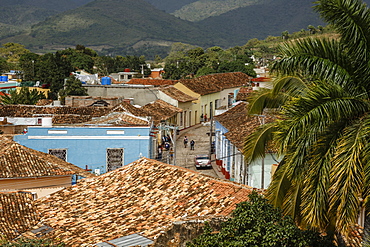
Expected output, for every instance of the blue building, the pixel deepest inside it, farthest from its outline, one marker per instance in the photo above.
(231, 129)
(97, 148)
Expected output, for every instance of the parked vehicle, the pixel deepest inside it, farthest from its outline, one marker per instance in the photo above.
(202, 161)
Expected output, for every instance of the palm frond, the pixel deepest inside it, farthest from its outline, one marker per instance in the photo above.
(321, 59)
(291, 85)
(262, 99)
(347, 175)
(255, 143)
(279, 186)
(351, 18)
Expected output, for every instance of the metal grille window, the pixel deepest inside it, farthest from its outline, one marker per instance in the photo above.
(114, 158)
(60, 153)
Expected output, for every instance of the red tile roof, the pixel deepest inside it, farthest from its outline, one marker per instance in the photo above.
(143, 197)
(17, 213)
(240, 124)
(18, 161)
(216, 82)
(154, 82)
(158, 110)
(161, 110)
(119, 119)
(177, 94)
(244, 93)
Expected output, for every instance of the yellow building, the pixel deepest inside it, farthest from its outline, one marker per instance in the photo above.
(209, 91)
(39, 89)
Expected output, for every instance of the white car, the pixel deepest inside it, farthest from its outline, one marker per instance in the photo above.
(202, 161)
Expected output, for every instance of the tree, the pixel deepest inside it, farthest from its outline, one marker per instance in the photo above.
(28, 64)
(52, 69)
(23, 97)
(312, 29)
(73, 86)
(12, 52)
(285, 35)
(258, 223)
(322, 95)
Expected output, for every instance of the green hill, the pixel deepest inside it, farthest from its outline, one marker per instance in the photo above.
(18, 16)
(210, 8)
(113, 24)
(260, 21)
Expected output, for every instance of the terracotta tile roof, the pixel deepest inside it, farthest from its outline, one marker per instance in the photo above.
(240, 124)
(17, 213)
(119, 119)
(154, 82)
(61, 114)
(161, 110)
(216, 82)
(158, 110)
(244, 93)
(143, 197)
(177, 94)
(18, 161)
(127, 107)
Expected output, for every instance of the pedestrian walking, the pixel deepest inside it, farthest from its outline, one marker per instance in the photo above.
(185, 141)
(192, 143)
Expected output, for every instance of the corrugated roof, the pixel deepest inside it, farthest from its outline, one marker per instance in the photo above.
(18, 161)
(127, 241)
(216, 82)
(143, 197)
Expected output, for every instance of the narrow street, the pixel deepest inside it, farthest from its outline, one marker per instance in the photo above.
(185, 156)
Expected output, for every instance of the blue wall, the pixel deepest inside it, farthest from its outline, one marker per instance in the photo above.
(87, 145)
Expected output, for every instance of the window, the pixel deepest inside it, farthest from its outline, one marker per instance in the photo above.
(60, 153)
(114, 158)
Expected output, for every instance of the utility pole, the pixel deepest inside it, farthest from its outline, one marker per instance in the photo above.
(142, 69)
(263, 158)
(210, 138)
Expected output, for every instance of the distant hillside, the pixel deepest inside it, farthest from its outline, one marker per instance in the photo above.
(18, 16)
(170, 5)
(105, 24)
(210, 8)
(145, 27)
(260, 21)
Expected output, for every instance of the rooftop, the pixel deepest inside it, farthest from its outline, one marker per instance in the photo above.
(144, 197)
(154, 82)
(177, 94)
(18, 161)
(240, 124)
(216, 82)
(17, 213)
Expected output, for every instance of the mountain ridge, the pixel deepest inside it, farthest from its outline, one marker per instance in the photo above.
(134, 27)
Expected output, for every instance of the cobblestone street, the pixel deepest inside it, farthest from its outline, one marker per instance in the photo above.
(185, 156)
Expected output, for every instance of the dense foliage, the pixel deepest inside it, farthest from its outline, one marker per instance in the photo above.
(258, 223)
(24, 97)
(322, 95)
(187, 61)
(24, 242)
(72, 86)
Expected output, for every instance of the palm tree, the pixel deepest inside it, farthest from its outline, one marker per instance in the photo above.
(322, 94)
